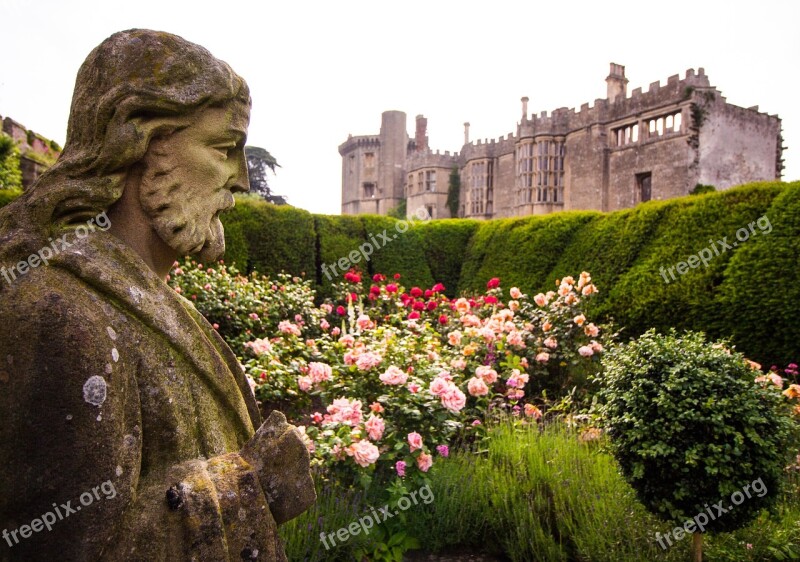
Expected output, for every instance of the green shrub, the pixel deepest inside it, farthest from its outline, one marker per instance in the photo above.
(759, 296)
(10, 174)
(521, 252)
(336, 238)
(443, 242)
(403, 252)
(690, 427)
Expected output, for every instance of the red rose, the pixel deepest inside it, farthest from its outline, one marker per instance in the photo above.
(375, 290)
(396, 276)
(493, 283)
(443, 319)
(416, 292)
(432, 305)
(391, 288)
(418, 305)
(340, 310)
(413, 315)
(438, 288)
(490, 300)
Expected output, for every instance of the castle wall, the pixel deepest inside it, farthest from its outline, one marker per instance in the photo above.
(737, 145)
(617, 152)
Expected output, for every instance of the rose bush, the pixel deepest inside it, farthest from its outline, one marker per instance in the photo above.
(383, 379)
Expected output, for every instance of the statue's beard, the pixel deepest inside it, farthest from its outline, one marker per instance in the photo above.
(186, 224)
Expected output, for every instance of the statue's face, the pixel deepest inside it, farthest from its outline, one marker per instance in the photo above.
(190, 176)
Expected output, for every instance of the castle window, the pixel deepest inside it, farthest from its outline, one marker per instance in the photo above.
(369, 159)
(644, 186)
(369, 190)
(429, 209)
(410, 186)
(420, 177)
(658, 126)
(352, 163)
(627, 134)
(430, 180)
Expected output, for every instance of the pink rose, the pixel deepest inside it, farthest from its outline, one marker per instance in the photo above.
(336, 331)
(324, 324)
(551, 342)
(591, 330)
(453, 399)
(344, 411)
(375, 427)
(515, 293)
(394, 376)
(319, 372)
(540, 299)
(363, 452)
(286, 327)
(413, 387)
(543, 357)
(305, 383)
(424, 462)
(368, 360)
(443, 450)
(586, 350)
(477, 387)
(364, 322)
(438, 386)
(400, 467)
(414, 441)
(347, 340)
(515, 338)
(458, 364)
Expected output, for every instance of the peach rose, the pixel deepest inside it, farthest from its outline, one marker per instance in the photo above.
(363, 452)
(424, 462)
(477, 387)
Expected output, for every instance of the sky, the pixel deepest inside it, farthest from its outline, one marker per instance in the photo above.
(320, 70)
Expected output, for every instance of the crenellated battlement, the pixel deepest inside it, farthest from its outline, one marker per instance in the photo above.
(431, 159)
(362, 141)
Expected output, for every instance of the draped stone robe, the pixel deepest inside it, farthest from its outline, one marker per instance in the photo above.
(107, 374)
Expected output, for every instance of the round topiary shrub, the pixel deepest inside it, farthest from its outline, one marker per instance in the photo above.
(703, 445)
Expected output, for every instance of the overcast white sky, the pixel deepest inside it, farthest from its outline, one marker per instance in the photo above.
(319, 70)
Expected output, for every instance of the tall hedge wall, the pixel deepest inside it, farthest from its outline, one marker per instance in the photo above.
(747, 292)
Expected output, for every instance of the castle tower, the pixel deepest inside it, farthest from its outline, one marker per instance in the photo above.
(617, 84)
(391, 166)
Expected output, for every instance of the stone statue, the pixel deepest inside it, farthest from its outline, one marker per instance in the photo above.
(128, 427)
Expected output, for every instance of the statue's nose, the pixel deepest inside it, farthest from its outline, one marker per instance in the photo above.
(241, 181)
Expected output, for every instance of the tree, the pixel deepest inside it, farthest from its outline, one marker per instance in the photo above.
(258, 162)
(10, 174)
(453, 191)
(691, 428)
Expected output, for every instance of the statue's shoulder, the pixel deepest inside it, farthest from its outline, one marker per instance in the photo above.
(49, 297)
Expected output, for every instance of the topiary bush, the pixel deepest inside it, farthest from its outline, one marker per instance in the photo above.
(691, 428)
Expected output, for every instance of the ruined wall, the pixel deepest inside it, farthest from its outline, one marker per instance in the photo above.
(737, 145)
(36, 152)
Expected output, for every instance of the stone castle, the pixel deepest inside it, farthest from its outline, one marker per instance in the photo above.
(36, 152)
(621, 151)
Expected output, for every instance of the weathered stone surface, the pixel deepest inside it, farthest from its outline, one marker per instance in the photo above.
(126, 418)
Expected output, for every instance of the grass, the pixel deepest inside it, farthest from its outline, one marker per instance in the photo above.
(543, 495)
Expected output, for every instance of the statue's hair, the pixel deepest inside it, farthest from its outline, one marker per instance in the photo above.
(134, 86)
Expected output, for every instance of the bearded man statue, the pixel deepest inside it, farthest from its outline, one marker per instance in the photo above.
(128, 427)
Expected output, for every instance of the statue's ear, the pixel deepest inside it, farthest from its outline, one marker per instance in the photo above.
(130, 131)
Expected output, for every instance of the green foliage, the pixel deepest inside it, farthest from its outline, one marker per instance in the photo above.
(700, 188)
(453, 192)
(759, 296)
(336, 238)
(399, 212)
(8, 195)
(690, 427)
(646, 296)
(522, 252)
(10, 174)
(443, 242)
(402, 252)
(279, 238)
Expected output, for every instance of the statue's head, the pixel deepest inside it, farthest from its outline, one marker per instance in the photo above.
(153, 104)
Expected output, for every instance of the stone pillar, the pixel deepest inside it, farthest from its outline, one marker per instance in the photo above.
(466, 133)
(421, 135)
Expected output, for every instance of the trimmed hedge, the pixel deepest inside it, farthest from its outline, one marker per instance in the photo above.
(747, 292)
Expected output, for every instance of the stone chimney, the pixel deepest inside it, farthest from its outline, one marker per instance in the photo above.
(466, 133)
(617, 83)
(421, 135)
(524, 101)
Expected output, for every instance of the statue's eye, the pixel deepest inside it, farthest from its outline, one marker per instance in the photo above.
(225, 149)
